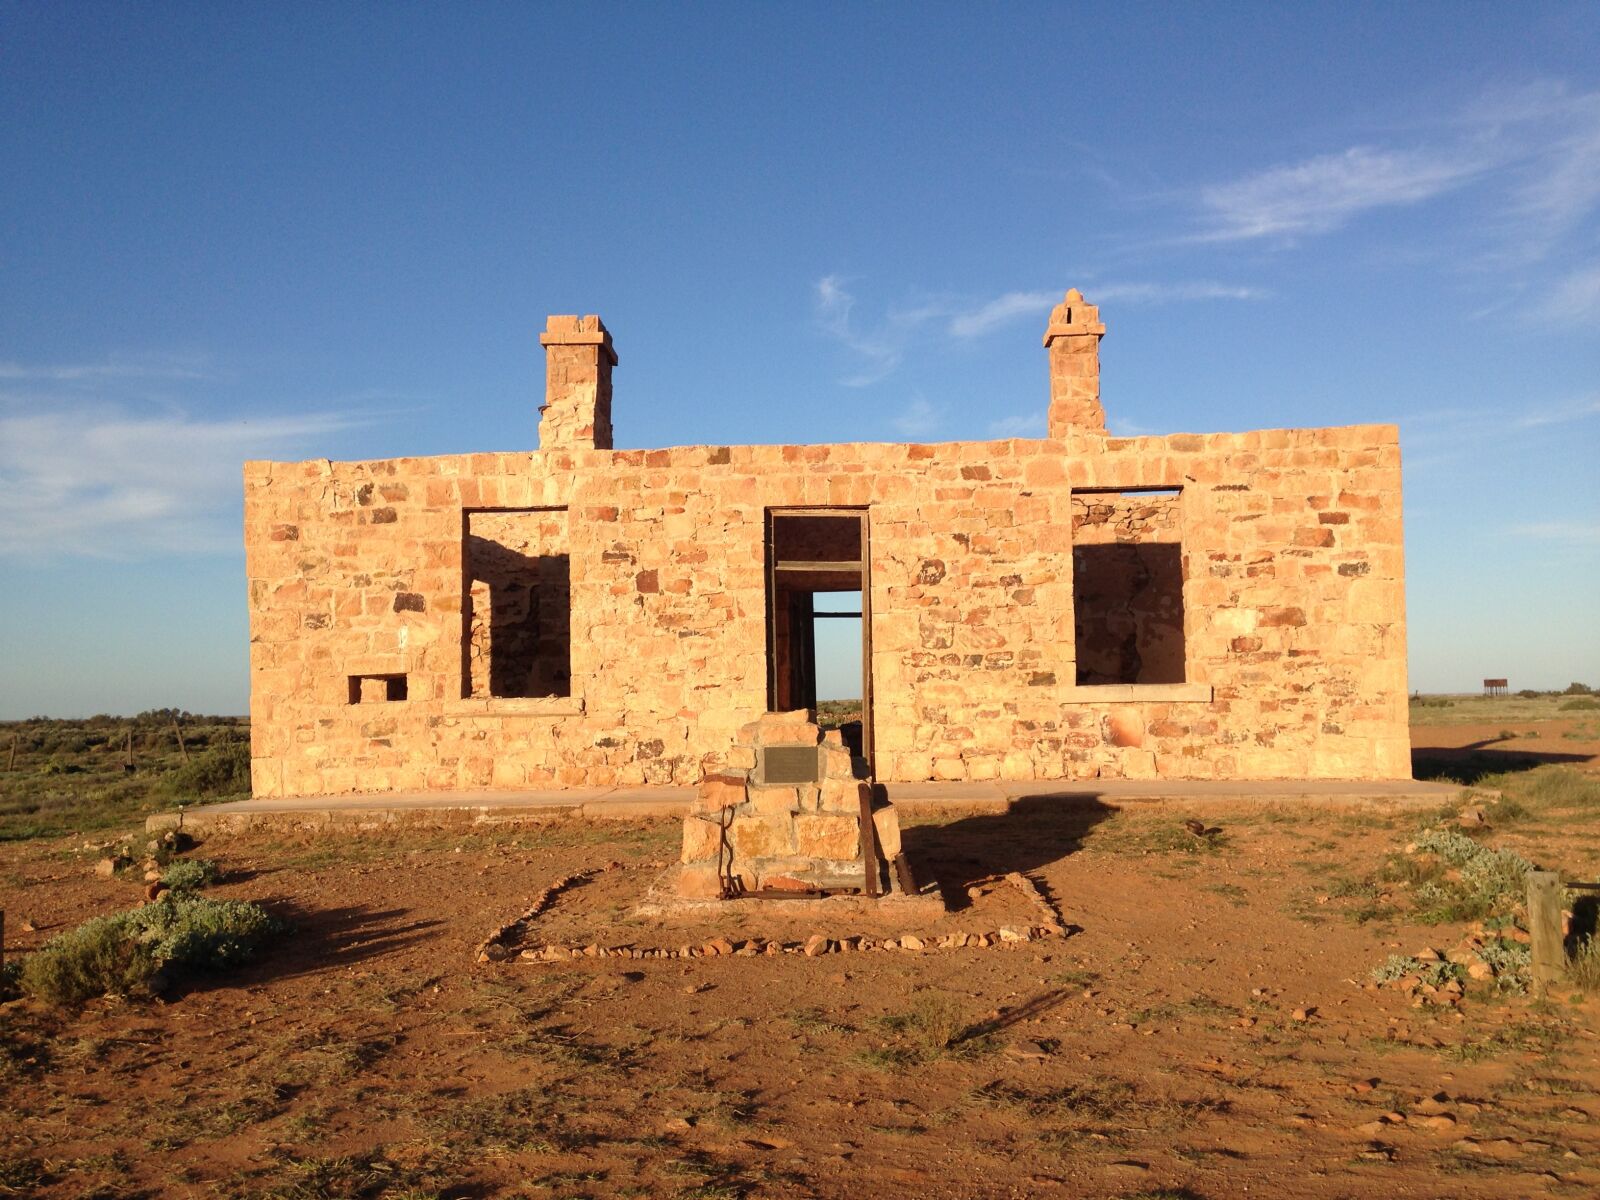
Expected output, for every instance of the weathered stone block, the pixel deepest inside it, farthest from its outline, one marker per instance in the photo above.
(1125, 727)
(841, 795)
(760, 837)
(837, 763)
(702, 838)
(699, 881)
(826, 835)
(886, 826)
(771, 800)
(719, 792)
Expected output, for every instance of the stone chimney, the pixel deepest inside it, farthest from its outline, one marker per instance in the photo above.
(577, 384)
(1073, 340)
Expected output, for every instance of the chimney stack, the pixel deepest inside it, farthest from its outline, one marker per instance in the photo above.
(578, 358)
(1073, 340)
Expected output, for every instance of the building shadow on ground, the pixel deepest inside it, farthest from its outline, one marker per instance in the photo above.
(1469, 764)
(1036, 832)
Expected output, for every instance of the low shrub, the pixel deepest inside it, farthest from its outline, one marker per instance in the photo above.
(190, 874)
(1486, 880)
(1435, 973)
(120, 953)
(1510, 960)
(1586, 704)
(220, 771)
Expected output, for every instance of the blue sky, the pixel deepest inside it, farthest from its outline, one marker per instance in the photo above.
(297, 231)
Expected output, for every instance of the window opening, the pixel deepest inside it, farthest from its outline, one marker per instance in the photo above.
(519, 604)
(377, 689)
(1127, 586)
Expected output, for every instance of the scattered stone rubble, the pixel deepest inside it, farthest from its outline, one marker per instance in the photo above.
(1439, 978)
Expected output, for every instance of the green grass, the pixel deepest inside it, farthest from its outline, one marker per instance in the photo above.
(1476, 710)
(1127, 833)
(74, 777)
(121, 953)
(1584, 966)
(1526, 1036)
(932, 1028)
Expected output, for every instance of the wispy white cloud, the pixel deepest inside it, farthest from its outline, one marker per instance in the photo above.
(106, 478)
(1532, 155)
(1322, 193)
(881, 346)
(174, 368)
(1022, 425)
(1123, 427)
(1559, 413)
(881, 349)
(989, 316)
(1580, 533)
(1573, 299)
(1448, 436)
(918, 419)
(1172, 293)
(1473, 422)
(1002, 309)
(1549, 138)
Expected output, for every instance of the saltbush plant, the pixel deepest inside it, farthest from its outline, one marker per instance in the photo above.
(1436, 973)
(1510, 960)
(121, 953)
(1485, 881)
(190, 874)
(220, 771)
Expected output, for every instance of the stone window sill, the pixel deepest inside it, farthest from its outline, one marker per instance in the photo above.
(1137, 693)
(516, 706)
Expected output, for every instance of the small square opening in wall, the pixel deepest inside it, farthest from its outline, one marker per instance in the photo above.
(377, 689)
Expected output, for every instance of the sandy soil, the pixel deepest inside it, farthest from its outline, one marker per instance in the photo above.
(1154, 1052)
(1507, 745)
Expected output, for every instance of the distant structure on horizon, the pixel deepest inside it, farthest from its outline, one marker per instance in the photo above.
(1495, 687)
(1189, 606)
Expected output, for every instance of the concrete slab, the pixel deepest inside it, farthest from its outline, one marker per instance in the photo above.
(359, 812)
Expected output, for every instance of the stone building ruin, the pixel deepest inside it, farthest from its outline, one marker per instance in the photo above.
(1078, 606)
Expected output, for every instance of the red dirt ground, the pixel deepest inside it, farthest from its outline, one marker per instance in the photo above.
(1155, 1052)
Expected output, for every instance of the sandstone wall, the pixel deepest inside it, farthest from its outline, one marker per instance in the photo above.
(1293, 611)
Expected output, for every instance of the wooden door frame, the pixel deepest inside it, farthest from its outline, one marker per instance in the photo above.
(863, 515)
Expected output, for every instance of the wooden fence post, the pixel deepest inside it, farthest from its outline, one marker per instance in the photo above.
(1544, 927)
(182, 749)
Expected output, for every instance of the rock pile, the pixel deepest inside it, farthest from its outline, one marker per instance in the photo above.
(754, 828)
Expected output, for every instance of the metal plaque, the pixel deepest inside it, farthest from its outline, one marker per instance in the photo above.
(789, 764)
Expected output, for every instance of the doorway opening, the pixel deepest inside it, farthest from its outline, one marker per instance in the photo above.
(819, 620)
